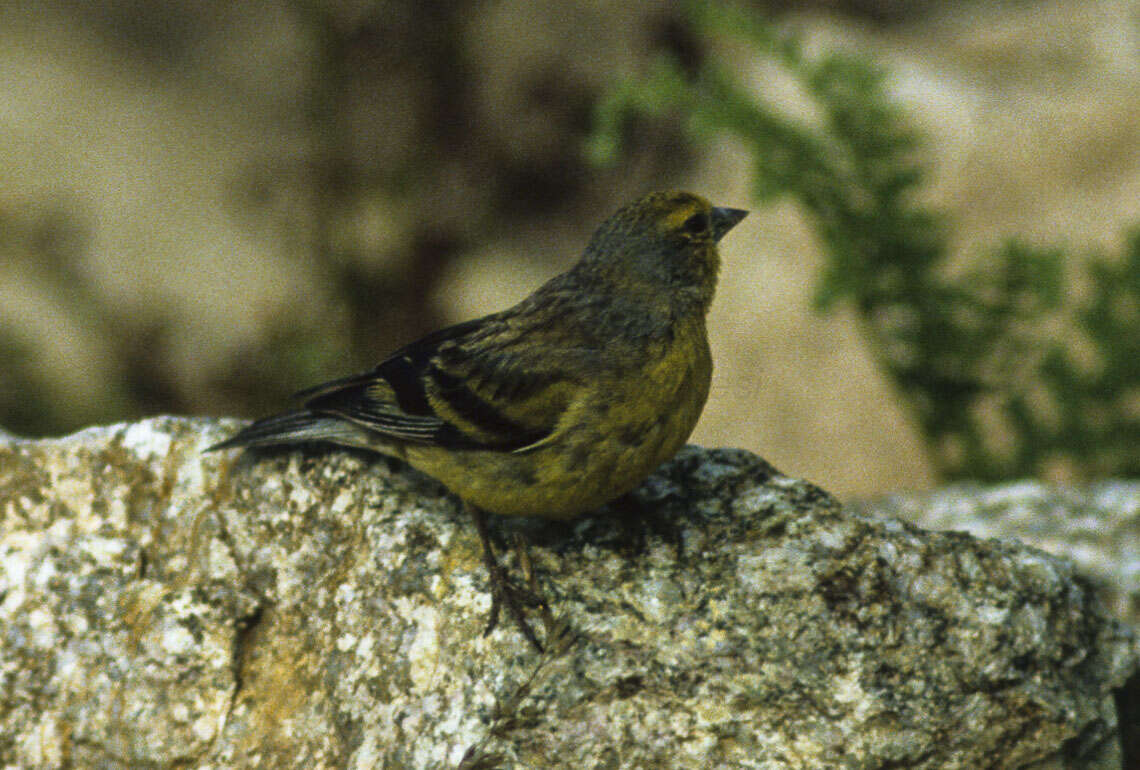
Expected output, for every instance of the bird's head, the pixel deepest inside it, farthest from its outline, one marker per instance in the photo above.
(664, 240)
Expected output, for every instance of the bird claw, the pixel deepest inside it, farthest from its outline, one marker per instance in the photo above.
(506, 593)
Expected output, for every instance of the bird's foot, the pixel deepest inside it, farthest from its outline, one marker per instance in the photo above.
(506, 593)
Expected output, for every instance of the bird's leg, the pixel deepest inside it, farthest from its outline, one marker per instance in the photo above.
(503, 592)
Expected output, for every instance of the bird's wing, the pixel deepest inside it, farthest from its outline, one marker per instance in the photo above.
(474, 385)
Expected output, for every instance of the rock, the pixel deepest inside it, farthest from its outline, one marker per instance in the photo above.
(162, 607)
(1097, 526)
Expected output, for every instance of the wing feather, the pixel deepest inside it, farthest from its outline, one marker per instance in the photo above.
(467, 386)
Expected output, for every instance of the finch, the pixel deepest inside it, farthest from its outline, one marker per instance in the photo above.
(557, 405)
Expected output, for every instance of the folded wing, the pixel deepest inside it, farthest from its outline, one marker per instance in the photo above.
(477, 385)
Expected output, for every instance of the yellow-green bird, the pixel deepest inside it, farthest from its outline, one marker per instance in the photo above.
(557, 405)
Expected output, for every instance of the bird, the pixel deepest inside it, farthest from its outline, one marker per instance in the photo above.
(557, 405)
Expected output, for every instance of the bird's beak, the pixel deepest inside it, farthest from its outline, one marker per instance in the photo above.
(724, 219)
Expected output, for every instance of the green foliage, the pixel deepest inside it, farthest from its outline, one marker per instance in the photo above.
(1099, 420)
(976, 357)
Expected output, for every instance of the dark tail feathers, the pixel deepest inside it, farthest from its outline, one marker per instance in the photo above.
(290, 428)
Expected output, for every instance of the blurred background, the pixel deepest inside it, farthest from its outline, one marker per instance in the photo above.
(205, 206)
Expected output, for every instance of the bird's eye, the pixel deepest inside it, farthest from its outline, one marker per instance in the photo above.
(697, 223)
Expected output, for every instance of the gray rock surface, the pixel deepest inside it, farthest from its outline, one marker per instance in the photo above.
(164, 608)
(1097, 526)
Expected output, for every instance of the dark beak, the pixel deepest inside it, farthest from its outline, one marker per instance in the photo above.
(724, 220)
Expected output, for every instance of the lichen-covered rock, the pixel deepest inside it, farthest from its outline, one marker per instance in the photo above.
(165, 608)
(1097, 526)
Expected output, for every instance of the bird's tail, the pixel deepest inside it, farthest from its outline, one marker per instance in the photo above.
(293, 428)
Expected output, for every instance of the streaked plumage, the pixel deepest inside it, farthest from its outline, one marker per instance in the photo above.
(564, 401)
